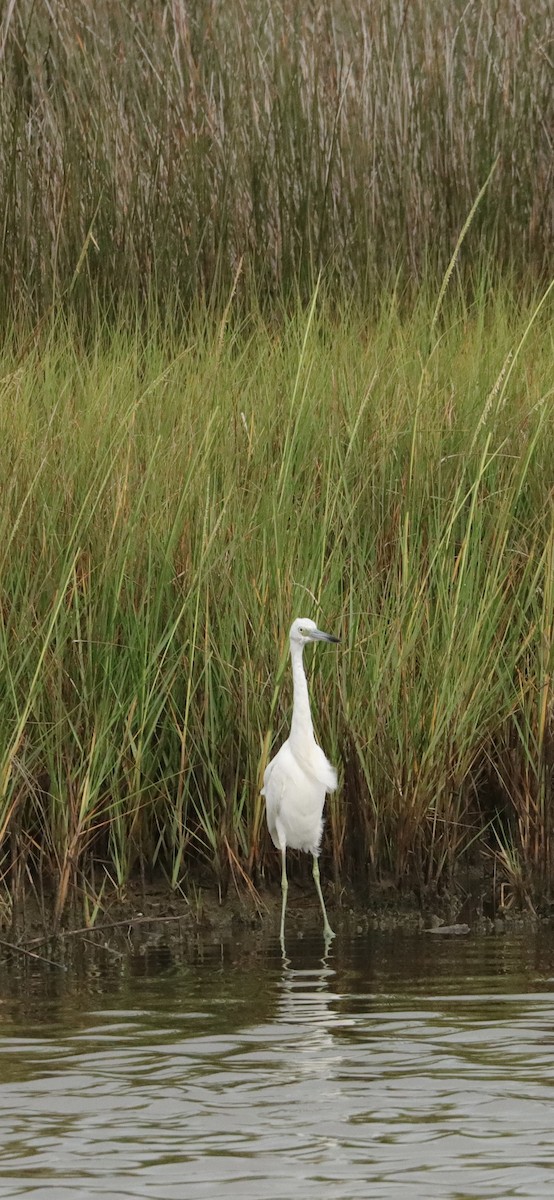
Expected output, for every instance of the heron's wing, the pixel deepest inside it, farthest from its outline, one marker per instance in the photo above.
(313, 761)
(276, 781)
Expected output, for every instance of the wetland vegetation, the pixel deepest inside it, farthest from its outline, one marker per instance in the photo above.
(255, 363)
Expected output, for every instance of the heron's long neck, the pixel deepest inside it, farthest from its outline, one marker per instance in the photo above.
(301, 726)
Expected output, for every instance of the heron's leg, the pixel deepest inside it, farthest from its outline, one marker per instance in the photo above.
(284, 890)
(328, 932)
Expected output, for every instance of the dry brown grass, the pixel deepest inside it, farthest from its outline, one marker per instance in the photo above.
(146, 150)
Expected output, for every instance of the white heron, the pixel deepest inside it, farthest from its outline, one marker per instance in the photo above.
(298, 779)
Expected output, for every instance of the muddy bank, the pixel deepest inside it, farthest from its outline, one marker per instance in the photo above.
(149, 917)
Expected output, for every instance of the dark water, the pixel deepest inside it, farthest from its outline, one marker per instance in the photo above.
(397, 1067)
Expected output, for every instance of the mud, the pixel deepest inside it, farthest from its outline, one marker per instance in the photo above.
(151, 916)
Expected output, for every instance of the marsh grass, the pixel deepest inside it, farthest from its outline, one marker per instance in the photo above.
(171, 502)
(149, 150)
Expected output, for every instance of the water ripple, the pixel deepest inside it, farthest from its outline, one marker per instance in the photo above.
(344, 1078)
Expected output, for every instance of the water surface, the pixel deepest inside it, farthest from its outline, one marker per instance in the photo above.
(397, 1066)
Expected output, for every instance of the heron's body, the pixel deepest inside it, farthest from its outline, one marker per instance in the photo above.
(298, 779)
(295, 787)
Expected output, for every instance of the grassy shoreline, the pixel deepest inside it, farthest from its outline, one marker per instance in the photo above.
(172, 500)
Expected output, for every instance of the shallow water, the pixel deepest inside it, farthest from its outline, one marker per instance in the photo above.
(398, 1066)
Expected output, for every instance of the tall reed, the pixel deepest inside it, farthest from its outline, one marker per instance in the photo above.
(152, 149)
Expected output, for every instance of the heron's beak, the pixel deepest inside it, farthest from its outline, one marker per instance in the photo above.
(317, 635)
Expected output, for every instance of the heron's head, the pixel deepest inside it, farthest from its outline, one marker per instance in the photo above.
(303, 630)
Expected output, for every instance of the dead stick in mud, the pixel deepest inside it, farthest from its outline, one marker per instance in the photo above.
(30, 954)
(64, 933)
